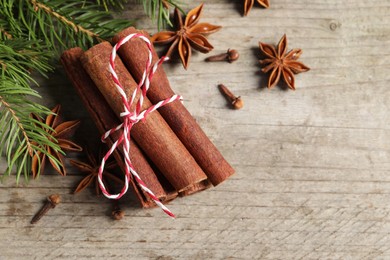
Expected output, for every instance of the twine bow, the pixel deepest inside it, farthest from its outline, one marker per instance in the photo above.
(130, 118)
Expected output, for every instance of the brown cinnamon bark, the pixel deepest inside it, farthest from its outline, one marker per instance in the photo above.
(196, 188)
(153, 135)
(106, 119)
(134, 55)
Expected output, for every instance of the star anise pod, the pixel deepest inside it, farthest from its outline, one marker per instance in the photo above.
(248, 4)
(280, 62)
(188, 35)
(91, 169)
(61, 132)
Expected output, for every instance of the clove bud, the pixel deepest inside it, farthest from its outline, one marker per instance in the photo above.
(51, 202)
(236, 102)
(230, 56)
(117, 213)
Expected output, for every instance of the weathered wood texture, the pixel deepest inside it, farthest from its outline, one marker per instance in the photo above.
(312, 165)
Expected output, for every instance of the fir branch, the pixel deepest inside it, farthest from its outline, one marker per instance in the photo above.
(20, 138)
(18, 57)
(63, 24)
(76, 27)
(10, 27)
(115, 4)
(159, 10)
(8, 110)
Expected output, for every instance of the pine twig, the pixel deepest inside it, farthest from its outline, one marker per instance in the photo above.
(116, 4)
(159, 10)
(19, 138)
(76, 27)
(18, 123)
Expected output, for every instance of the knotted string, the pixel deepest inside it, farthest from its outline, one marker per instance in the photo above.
(130, 118)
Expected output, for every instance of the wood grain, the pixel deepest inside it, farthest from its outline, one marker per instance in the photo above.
(312, 166)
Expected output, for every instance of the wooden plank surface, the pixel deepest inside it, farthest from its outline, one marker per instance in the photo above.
(312, 165)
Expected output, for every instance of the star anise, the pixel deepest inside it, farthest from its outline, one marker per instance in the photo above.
(91, 169)
(188, 35)
(61, 132)
(280, 62)
(249, 3)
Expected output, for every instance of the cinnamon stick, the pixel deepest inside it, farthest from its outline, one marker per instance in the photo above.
(153, 135)
(196, 188)
(134, 55)
(106, 119)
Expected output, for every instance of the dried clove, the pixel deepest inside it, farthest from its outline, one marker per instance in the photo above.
(236, 102)
(51, 202)
(117, 213)
(230, 56)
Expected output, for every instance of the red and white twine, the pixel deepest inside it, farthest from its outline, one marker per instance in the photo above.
(130, 118)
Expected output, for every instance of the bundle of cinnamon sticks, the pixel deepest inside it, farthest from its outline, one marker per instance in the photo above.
(169, 150)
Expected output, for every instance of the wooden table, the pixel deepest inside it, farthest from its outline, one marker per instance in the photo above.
(313, 166)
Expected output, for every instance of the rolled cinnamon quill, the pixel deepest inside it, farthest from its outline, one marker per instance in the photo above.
(106, 119)
(153, 135)
(134, 55)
